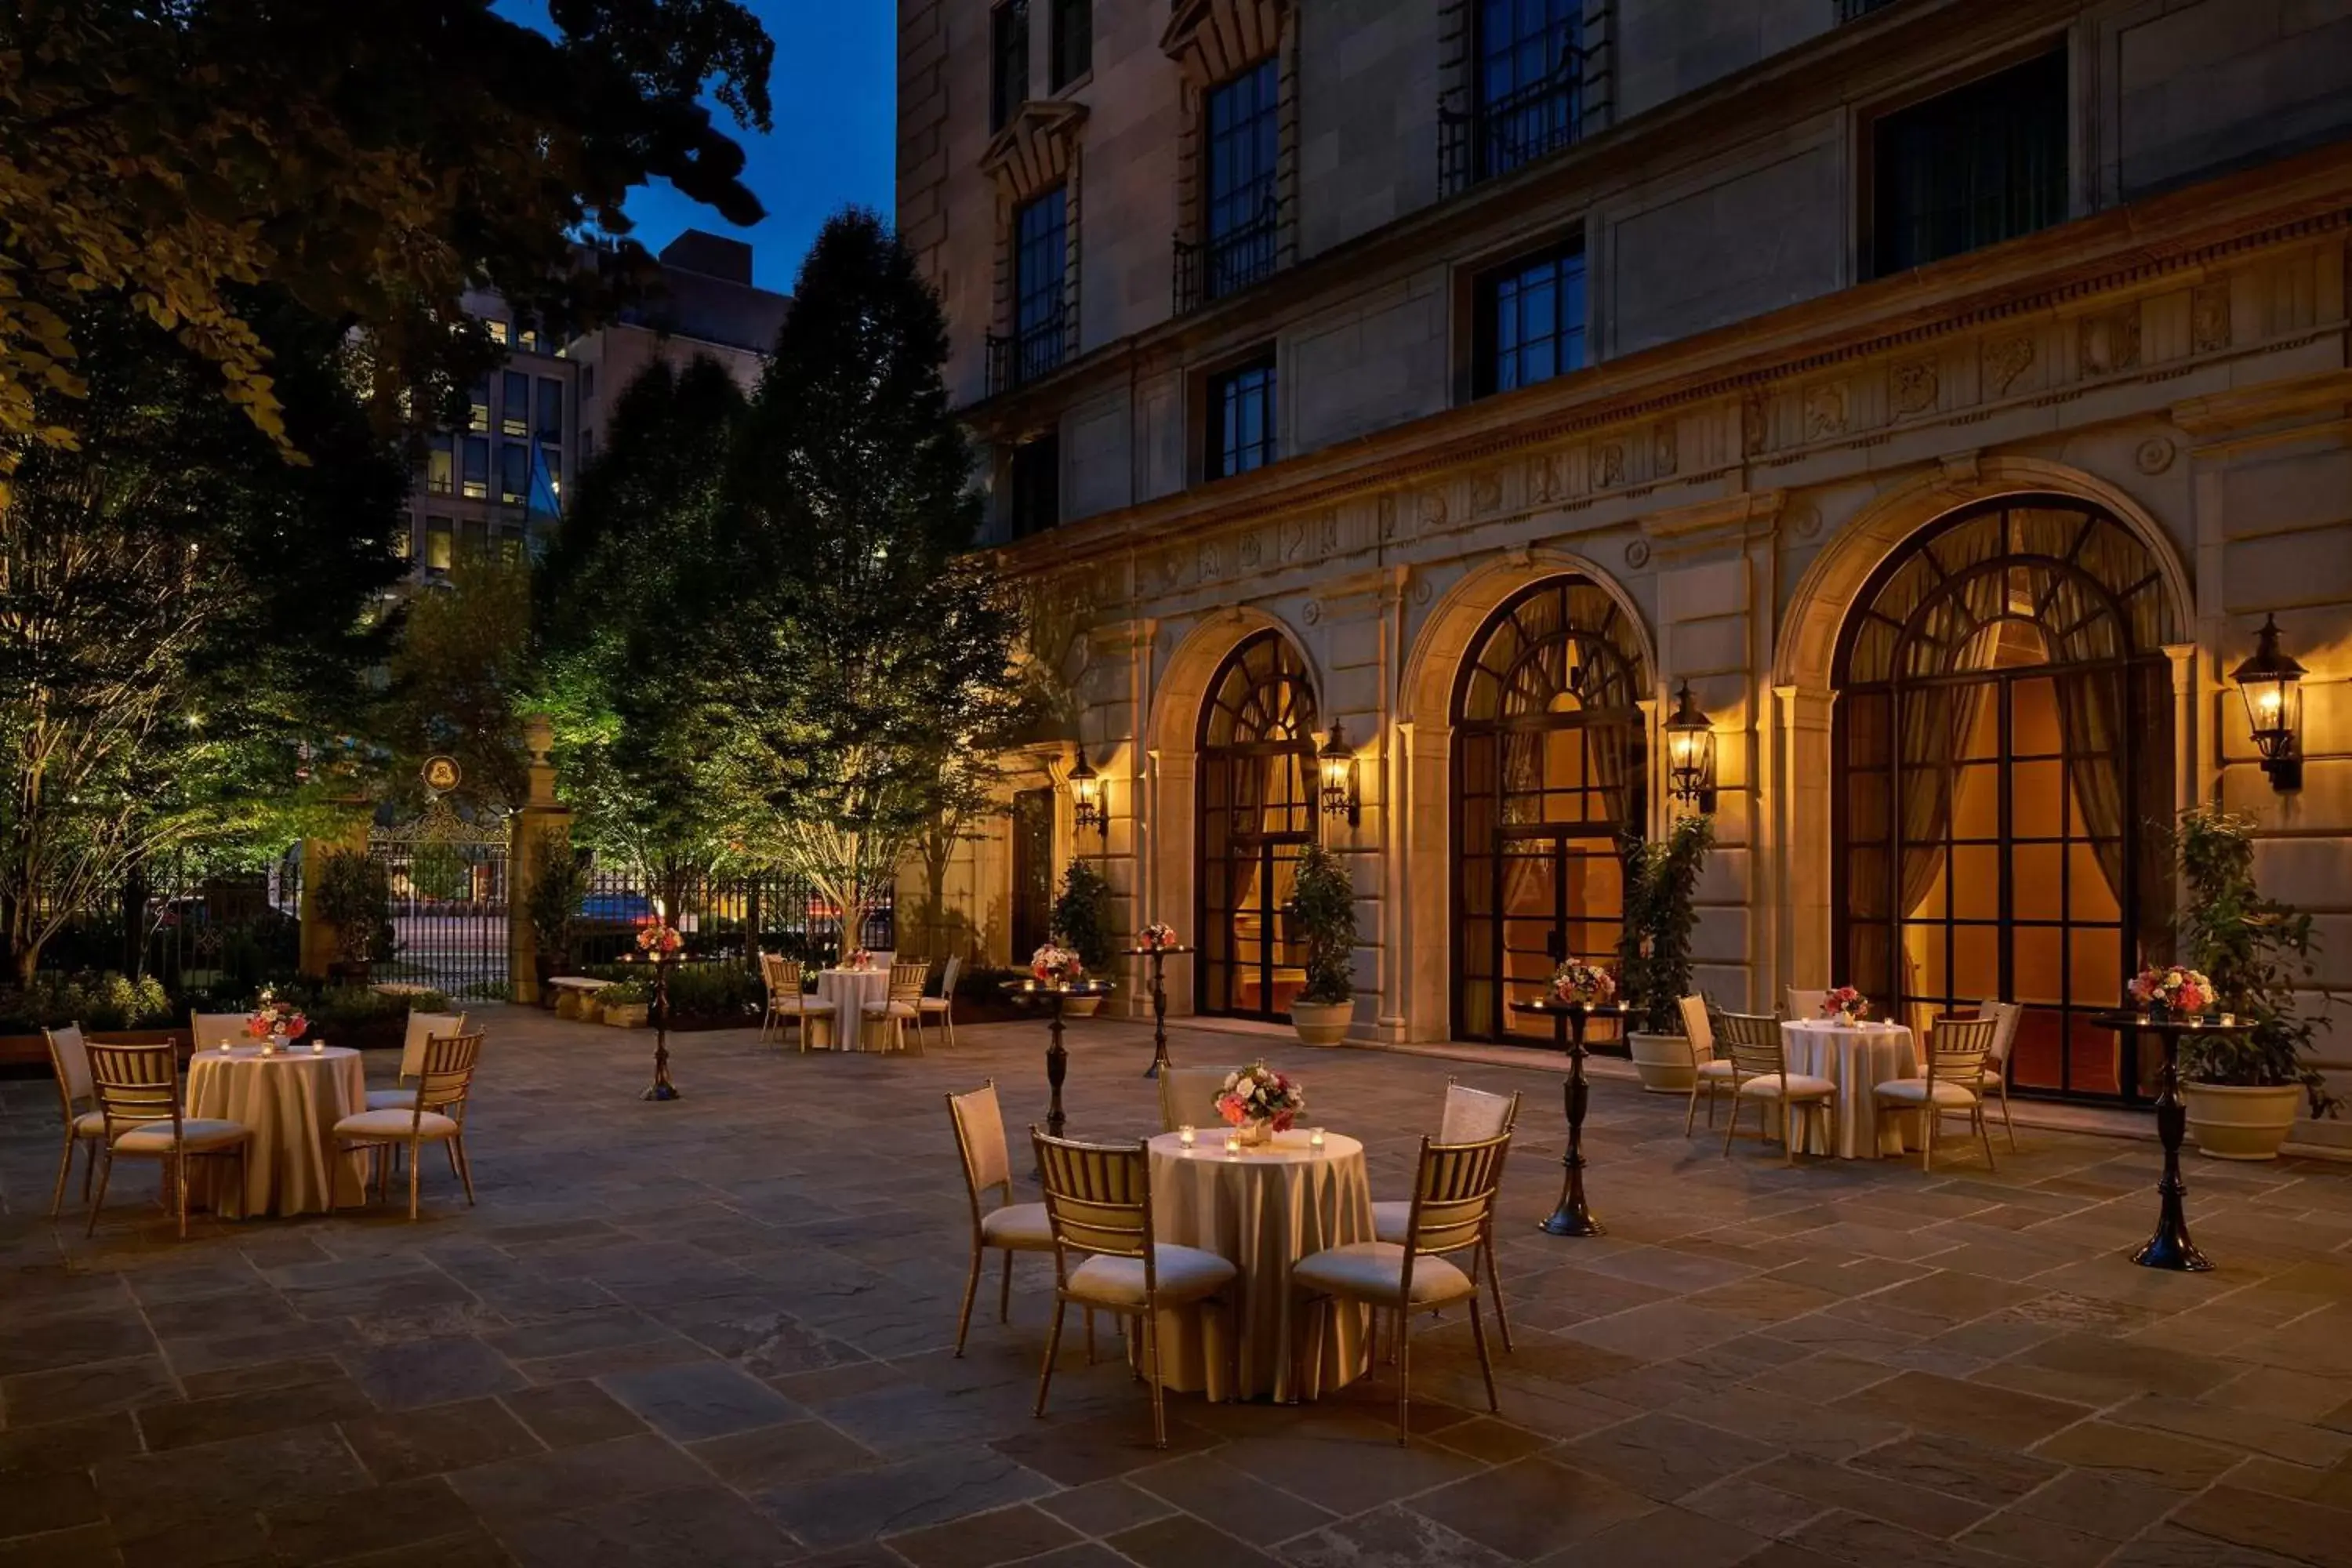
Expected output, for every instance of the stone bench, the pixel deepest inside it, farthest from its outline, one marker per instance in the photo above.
(571, 990)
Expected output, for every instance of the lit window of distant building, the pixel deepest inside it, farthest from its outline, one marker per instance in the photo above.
(514, 404)
(439, 470)
(438, 543)
(478, 467)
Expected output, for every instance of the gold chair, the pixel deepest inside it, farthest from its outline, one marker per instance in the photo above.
(1453, 1212)
(1710, 1074)
(69, 1060)
(1098, 1199)
(2005, 1017)
(443, 1082)
(941, 1006)
(1188, 1097)
(138, 1092)
(790, 1007)
(1806, 1003)
(1010, 1226)
(1760, 1076)
(1957, 1052)
(1471, 1116)
(207, 1030)
(900, 1010)
(422, 1026)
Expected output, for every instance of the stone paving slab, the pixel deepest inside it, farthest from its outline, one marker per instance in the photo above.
(719, 1332)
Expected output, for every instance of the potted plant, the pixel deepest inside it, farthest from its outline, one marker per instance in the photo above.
(1654, 950)
(1323, 917)
(625, 1004)
(557, 893)
(354, 898)
(1082, 923)
(2243, 1088)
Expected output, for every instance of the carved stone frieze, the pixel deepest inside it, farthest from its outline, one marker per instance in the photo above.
(2209, 317)
(1825, 410)
(1611, 472)
(2109, 343)
(1913, 386)
(1486, 492)
(1663, 453)
(2005, 359)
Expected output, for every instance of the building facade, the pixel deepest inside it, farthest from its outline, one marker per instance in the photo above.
(1945, 391)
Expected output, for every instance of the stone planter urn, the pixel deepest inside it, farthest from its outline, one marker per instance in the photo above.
(2234, 1121)
(1081, 1006)
(1668, 1062)
(1322, 1023)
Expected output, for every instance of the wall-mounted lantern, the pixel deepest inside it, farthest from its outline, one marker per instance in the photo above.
(1690, 753)
(1087, 807)
(1342, 794)
(2271, 683)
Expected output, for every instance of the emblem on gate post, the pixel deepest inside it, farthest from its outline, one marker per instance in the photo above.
(440, 774)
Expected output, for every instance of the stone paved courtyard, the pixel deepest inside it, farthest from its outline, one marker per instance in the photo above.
(718, 1332)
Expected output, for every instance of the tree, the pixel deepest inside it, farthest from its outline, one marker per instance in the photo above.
(372, 160)
(460, 675)
(2254, 948)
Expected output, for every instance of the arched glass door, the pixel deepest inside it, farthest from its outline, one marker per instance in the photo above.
(1548, 768)
(1256, 786)
(2003, 737)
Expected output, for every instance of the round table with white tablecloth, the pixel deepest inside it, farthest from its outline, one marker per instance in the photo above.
(1262, 1210)
(292, 1100)
(851, 992)
(1855, 1057)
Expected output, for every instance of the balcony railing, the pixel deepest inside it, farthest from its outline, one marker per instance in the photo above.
(1850, 10)
(1023, 356)
(1226, 263)
(1484, 140)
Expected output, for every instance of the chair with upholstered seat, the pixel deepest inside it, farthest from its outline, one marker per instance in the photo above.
(1105, 1258)
(1958, 1049)
(1188, 1096)
(1761, 1077)
(207, 1030)
(789, 1005)
(422, 1026)
(1806, 1003)
(84, 1124)
(1995, 1079)
(941, 1006)
(988, 1171)
(1471, 1116)
(1711, 1075)
(137, 1089)
(900, 1009)
(1453, 1212)
(444, 1083)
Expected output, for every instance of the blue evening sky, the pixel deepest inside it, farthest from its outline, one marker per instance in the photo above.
(836, 94)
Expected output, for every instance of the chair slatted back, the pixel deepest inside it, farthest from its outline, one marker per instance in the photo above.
(980, 1143)
(423, 1027)
(136, 1084)
(768, 961)
(1098, 1195)
(2005, 1017)
(1753, 1041)
(1698, 1027)
(446, 1076)
(1453, 1194)
(786, 978)
(1188, 1096)
(1806, 1003)
(907, 980)
(1958, 1049)
(70, 1059)
(1473, 1115)
(207, 1030)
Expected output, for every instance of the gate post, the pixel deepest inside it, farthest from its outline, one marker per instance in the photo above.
(317, 944)
(543, 824)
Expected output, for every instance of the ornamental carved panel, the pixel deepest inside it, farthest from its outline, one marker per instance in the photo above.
(2208, 318)
(1913, 386)
(2005, 359)
(1212, 39)
(1825, 410)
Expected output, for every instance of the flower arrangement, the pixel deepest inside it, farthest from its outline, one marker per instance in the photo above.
(1578, 984)
(659, 941)
(2172, 989)
(1055, 965)
(1846, 1003)
(1257, 1094)
(271, 1018)
(860, 958)
(1156, 938)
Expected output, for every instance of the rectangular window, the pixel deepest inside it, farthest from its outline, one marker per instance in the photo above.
(527, 340)
(1529, 81)
(1041, 262)
(1037, 485)
(1241, 141)
(497, 331)
(1241, 420)
(404, 538)
(1969, 168)
(514, 404)
(587, 382)
(514, 472)
(1074, 41)
(587, 444)
(477, 408)
(551, 409)
(551, 463)
(1528, 322)
(438, 543)
(478, 467)
(510, 545)
(474, 537)
(437, 467)
(1008, 61)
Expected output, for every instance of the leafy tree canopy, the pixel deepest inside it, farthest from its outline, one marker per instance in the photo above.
(460, 675)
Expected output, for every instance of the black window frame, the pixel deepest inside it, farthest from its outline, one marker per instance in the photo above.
(474, 468)
(1497, 287)
(1527, 83)
(513, 456)
(1227, 395)
(1008, 60)
(1994, 128)
(547, 410)
(1070, 47)
(1033, 486)
(1238, 207)
(1041, 282)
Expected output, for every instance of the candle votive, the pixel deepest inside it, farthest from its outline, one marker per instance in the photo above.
(1232, 1142)
(1314, 1138)
(319, 1047)
(2228, 1020)
(1184, 1135)
(223, 1044)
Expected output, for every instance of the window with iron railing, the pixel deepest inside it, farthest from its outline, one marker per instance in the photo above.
(1240, 419)
(1008, 60)
(1525, 98)
(1041, 262)
(1241, 146)
(1969, 168)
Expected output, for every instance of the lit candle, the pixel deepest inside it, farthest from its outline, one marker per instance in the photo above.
(1233, 1144)
(1184, 1135)
(2228, 1019)
(319, 1046)
(1314, 1138)
(223, 1044)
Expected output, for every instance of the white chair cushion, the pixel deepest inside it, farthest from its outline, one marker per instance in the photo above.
(810, 1005)
(1715, 1070)
(1374, 1271)
(90, 1124)
(392, 1099)
(197, 1133)
(395, 1124)
(1797, 1086)
(1185, 1273)
(1993, 1078)
(1914, 1092)
(1389, 1220)
(1021, 1227)
(933, 1004)
(890, 1010)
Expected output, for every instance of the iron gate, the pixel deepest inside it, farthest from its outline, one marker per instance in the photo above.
(447, 876)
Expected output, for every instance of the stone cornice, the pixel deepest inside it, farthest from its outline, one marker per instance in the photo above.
(1212, 40)
(2325, 395)
(1032, 152)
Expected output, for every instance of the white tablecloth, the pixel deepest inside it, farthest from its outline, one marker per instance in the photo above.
(850, 991)
(1262, 1210)
(1855, 1056)
(292, 1101)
